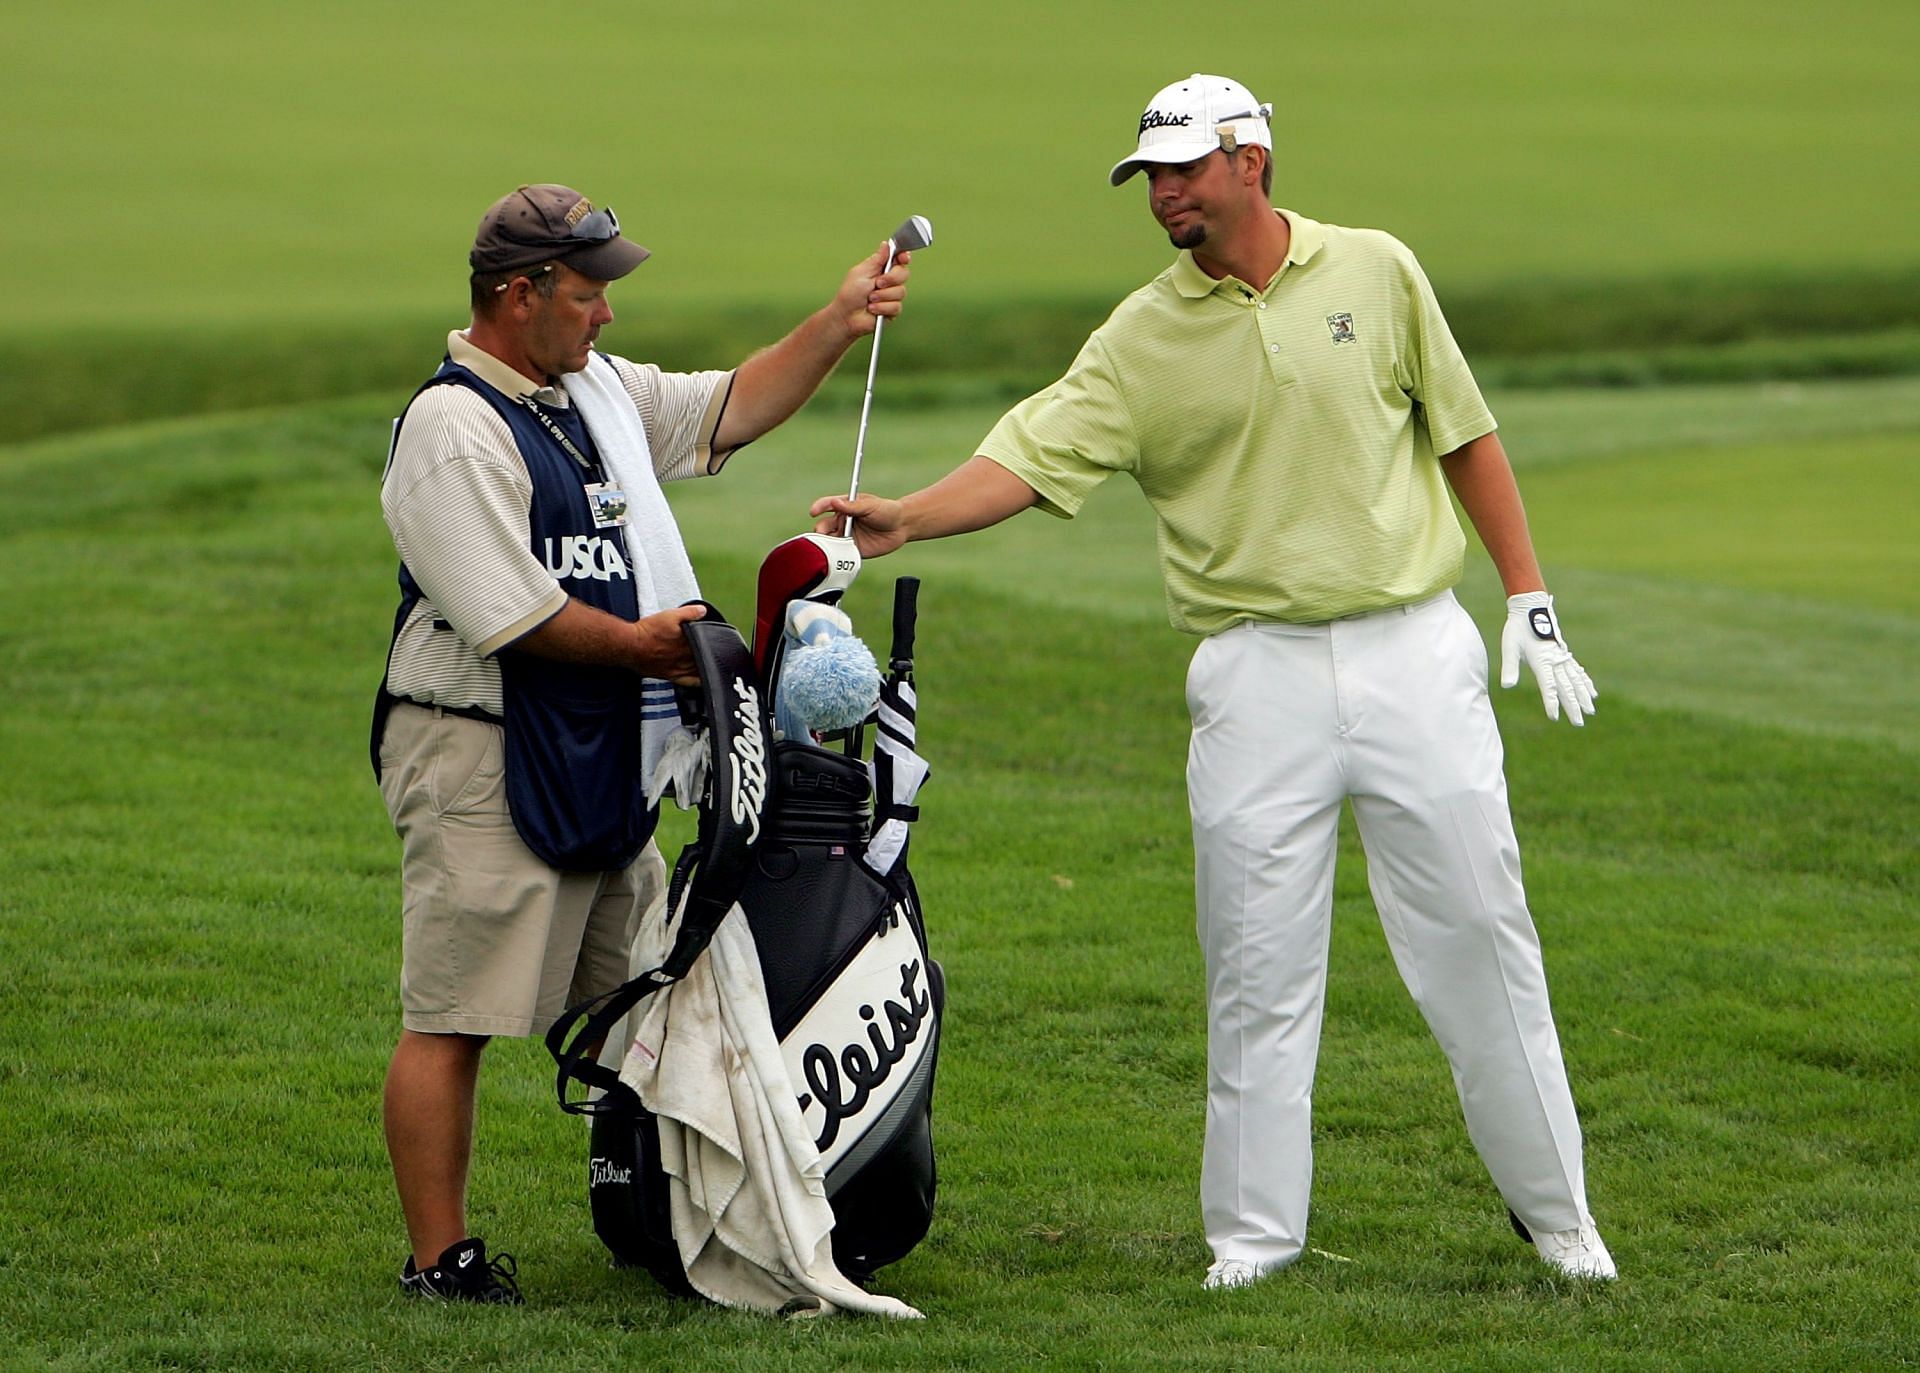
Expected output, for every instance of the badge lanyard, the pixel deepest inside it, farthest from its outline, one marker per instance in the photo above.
(606, 501)
(559, 436)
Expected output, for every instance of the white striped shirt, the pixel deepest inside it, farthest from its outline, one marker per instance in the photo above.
(457, 498)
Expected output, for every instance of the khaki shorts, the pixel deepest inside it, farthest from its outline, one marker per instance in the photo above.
(494, 942)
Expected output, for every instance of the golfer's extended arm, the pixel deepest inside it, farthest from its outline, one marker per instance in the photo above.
(978, 493)
(1482, 479)
(974, 495)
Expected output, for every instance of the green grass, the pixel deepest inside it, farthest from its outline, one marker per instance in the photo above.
(951, 352)
(1696, 556)
(1830, 519)
(245, 213)
(199, 931)
(198, 162)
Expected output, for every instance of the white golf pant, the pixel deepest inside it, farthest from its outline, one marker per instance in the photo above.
(1390, 710)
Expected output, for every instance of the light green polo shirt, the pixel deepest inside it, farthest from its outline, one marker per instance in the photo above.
(1286, 440)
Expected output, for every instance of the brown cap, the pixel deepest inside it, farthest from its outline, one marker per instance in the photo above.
(553, 223)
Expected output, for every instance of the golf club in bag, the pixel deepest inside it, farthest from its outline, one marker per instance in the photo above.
(793, 834)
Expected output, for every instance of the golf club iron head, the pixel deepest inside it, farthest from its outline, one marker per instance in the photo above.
(915, 234)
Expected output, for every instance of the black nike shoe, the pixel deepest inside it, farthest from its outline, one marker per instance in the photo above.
(464, 1273)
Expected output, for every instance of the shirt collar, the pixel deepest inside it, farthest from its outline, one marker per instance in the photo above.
(1306, 237)
(496, 373)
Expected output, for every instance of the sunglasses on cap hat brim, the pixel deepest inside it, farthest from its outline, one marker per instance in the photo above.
(1227, 139)
(597, 227)
(602, 226)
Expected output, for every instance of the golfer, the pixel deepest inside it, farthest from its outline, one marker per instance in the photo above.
(1292, 405)
(527, 695)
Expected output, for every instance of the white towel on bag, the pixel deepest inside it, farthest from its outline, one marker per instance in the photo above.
(747, 1185)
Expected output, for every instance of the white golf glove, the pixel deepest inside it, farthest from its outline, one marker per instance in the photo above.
(1532, 632)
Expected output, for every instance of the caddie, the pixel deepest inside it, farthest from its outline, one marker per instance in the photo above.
(528, 690)
(1289, 399)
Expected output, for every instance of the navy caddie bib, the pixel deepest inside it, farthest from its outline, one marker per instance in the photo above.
(574, 781)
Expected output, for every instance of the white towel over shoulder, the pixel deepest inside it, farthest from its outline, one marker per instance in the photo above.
(662, 574)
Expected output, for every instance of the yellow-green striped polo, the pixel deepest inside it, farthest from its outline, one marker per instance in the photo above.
(1285, 438)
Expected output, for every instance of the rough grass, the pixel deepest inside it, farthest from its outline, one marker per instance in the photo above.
(950, 352)
(199, 935)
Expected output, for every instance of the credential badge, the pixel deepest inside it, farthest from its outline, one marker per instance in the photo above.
(608, 504)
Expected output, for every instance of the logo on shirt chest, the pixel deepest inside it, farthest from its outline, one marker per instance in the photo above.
(1341, 327)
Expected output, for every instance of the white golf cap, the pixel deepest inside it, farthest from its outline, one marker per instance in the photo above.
(1191, 118)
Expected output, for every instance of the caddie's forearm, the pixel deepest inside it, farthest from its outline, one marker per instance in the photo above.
(775, 382)
(580, 633)
(976, 494)
(1482, 480)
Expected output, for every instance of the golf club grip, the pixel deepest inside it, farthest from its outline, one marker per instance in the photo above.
(906, 611)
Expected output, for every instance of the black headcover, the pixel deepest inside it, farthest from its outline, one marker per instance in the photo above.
(707, 880)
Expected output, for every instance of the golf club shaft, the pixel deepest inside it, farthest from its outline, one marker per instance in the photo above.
(866, 405)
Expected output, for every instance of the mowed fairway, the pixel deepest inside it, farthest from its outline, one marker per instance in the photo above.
(229, 207)
(205, 161)
(200, 933)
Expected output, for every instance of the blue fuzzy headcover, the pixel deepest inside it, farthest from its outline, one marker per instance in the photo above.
(828, 678)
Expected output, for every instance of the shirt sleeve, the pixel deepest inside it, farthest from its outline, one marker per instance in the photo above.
(1066, 440)
(1434, 372)
(681, 412)
(457, 499)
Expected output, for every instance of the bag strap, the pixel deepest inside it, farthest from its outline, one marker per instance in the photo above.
(578, 1060)
(577, 1050)
(707, 880)
(729, 706)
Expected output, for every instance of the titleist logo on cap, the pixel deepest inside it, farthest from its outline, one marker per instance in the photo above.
(1153, 119)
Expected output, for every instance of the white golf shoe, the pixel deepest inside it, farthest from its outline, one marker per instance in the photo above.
(1231, 1273)
(1578, 1253)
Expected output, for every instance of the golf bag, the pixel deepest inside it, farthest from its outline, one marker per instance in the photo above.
(854, 999)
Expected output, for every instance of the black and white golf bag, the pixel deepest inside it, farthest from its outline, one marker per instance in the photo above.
(819, 870)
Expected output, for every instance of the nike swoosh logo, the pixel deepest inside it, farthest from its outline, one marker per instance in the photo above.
(466, 1258)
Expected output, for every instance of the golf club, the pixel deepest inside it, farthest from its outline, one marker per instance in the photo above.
(915, 234)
